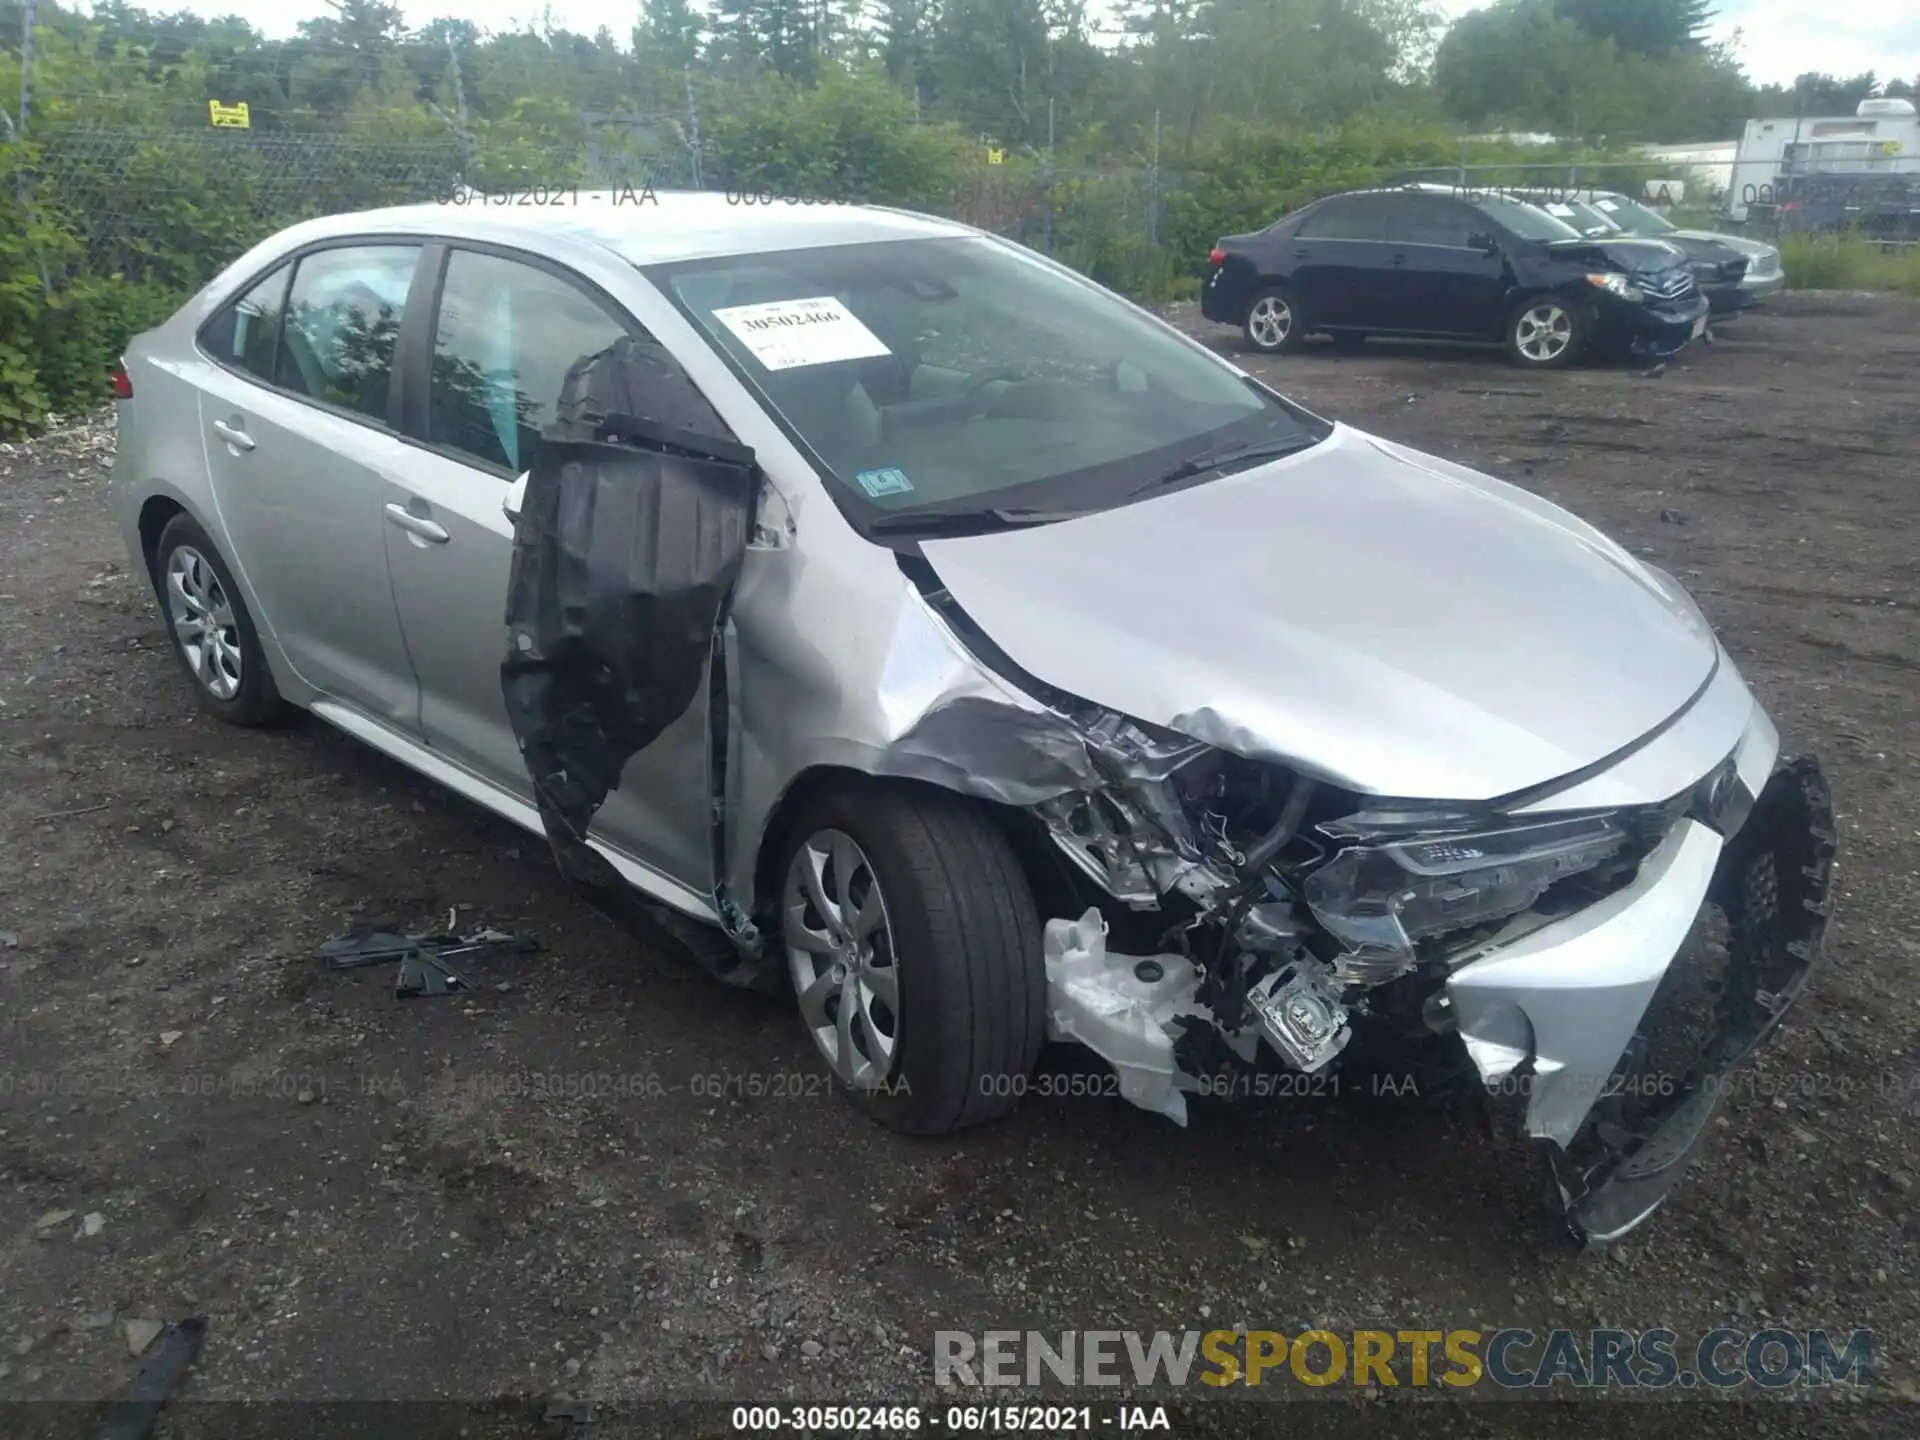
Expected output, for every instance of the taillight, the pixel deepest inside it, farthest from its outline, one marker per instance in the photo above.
(1217, 255)
(122, 383)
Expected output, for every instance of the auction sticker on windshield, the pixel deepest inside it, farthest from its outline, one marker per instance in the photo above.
(786, 334)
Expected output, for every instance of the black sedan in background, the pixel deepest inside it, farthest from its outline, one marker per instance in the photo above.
(1428, 262)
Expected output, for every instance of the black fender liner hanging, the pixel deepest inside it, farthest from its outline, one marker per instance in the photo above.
(631, 534)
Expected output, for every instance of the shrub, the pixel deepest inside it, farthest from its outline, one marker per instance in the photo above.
(1848, 262)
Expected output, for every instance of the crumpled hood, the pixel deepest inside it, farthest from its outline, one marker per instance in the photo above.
(1379, 617)
(1634, 254)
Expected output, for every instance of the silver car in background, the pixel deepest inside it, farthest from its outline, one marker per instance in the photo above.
(910, 622)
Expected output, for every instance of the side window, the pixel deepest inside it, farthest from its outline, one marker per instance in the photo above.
(1332, 221)
(1356, 217)
(343, 320)
(1432, 221)
(1390, 217)
(506, 335)
(247, 331)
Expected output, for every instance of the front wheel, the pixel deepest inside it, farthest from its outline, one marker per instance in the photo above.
(913, 945)
(1273, 325)
(1546, 333)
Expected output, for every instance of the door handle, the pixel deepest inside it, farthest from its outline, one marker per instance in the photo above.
(233, 434)
(1398, 260)
(416, 524)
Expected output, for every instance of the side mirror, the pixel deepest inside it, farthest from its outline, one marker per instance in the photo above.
(515, 497)
(1484, 243)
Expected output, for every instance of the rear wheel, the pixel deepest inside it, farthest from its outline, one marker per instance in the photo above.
(1546, 332)
(213, 635)
(1274, 325)
(913, 945)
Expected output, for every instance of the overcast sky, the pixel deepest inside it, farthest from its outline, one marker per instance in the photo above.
(1779, 38)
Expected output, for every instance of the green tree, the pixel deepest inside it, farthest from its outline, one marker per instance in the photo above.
(904, 32)
(850, 136)
(990, 68)
(1642, 27)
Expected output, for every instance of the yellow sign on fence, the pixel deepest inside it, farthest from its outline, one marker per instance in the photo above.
(235, 116)
(996, 156)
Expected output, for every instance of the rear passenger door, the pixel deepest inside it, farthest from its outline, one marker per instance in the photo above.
(502, 332)
(1325, 260)
(1341, 246)
(299, 417)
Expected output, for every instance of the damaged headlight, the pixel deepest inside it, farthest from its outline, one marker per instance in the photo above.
(1615, 284)
(1380, 899)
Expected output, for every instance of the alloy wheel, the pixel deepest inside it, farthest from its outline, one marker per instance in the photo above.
(840, 950)
(1543, 333)
(203, 622)
(1270, 321)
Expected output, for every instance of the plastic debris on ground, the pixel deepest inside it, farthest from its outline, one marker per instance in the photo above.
(426, 961)
(1120, 1007)
(133, 1416)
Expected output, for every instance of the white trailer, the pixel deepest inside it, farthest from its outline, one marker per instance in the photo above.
(1708, 169)
(1881, 138)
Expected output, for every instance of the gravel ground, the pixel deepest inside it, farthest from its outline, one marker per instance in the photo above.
(559, 1186)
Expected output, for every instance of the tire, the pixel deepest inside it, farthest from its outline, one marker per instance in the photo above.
(958, 929)
(230, 678)
(1546, 332)
(1274, 324)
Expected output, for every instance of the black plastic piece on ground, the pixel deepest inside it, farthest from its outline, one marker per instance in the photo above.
(425, 972)
(425, 966)
(133, 1417)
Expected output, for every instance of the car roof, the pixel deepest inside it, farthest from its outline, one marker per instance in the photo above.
(640, 225)
(1467, 194)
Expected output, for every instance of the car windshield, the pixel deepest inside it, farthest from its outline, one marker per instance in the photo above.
(1632, 216)
(1582, 216)
(1529, 222)
(966, 376)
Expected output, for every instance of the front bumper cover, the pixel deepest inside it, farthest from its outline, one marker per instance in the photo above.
(1556, 1016)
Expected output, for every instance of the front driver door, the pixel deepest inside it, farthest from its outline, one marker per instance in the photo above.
(1458, 288)
(506, 330)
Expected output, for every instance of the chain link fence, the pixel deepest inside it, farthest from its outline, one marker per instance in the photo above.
(162, 146)
(161, 204)
(173, 204)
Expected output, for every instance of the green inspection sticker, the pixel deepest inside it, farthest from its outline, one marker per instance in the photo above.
(883, 482)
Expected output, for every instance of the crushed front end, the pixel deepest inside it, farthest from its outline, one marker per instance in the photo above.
(1595, 971)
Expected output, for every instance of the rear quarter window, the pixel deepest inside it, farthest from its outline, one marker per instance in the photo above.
(245, 332)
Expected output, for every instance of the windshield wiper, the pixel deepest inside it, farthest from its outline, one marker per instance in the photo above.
(965, 522)
(1208, 460)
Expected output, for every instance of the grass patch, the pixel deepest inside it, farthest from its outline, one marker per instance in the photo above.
(1844, 262)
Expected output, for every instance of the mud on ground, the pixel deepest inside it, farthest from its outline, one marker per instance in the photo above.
(571, 1182)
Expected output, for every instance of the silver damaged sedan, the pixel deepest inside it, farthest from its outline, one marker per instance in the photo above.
(910, 624)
